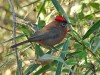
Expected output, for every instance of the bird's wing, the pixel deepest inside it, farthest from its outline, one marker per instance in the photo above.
(44, 34)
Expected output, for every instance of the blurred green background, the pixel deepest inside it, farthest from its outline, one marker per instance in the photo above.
(81, 47)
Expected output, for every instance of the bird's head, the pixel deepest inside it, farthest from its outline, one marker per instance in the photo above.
(60, 23)
(61, 20)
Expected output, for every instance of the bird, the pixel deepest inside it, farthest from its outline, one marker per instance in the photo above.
(50, 35)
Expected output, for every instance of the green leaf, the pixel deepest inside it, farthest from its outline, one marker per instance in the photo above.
(59, 68)
(96, 46)
(90, 16)
(73, 53)
(26, 30)
(81, 55)
(81, 15)
(95, 5)
(31, 68)
(92, 29)
(20, 66)
(32, 3)
(71, 61)
(41, 24)
(98, 60)
(44, 68)
(59, 59)
(38, 50)
(41, 9)
(83, 6)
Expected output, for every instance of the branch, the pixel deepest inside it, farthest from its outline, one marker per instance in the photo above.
(8, 29)
(14, 36)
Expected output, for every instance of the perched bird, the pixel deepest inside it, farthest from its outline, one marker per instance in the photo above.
(50, 35)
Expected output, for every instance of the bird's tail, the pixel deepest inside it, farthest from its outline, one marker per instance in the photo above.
(18, 44)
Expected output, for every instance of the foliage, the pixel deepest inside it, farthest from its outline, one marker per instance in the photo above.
(79, 51)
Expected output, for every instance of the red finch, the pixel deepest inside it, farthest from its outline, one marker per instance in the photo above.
(50, 35)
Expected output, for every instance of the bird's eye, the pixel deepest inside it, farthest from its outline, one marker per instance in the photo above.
(63, 24)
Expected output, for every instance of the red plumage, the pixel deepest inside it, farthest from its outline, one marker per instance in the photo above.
(60, 18)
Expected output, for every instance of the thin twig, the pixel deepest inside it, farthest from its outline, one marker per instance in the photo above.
(9, 29)
(17, 15)
(14, 36)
